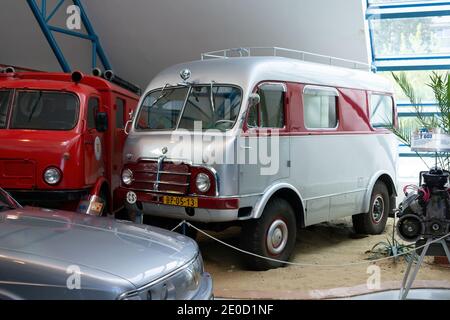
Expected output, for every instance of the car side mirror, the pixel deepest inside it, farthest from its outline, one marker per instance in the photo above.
(101, 121)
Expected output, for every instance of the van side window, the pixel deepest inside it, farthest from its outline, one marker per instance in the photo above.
(320, 107)
(93, 106)
(381, 111)
(120, 113)
(271, 107)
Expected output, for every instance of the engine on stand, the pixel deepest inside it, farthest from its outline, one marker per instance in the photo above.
(425, 211)
(424, 214)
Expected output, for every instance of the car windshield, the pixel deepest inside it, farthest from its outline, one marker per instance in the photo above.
(216, 107)
(7, 202)
(45, 110)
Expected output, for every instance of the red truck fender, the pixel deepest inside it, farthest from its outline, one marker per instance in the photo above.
(96, 198)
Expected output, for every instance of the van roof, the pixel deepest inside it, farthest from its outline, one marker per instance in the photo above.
(247, 72)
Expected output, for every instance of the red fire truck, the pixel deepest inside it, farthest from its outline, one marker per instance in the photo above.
(61, 138)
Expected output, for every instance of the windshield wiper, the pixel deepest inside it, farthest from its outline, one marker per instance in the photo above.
(162, 95)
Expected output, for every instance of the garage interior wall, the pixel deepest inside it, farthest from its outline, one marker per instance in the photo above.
(142, 37)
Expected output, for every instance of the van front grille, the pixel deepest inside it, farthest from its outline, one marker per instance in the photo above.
(173, 177)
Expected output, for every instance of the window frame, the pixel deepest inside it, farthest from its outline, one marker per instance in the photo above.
(369, 106)
(13, 100)
(179, 86)
(325, 89)
(258, 106)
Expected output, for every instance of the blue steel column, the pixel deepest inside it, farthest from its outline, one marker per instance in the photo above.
(96, 42)
(48, 34)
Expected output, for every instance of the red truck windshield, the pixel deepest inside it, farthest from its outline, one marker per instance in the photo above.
(42, 110)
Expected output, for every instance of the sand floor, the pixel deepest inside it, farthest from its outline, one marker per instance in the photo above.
(328, 243)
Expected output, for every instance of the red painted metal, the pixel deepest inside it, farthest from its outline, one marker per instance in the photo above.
(26, 154)
(203, 202)
(353, 114)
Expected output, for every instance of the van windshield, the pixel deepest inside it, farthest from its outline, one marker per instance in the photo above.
(45, 110)
(185, 107)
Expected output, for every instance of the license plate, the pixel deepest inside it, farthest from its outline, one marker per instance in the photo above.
(181, 201)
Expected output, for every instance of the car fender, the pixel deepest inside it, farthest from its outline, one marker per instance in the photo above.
(267, 195)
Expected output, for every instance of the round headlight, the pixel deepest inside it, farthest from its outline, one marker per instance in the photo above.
(52, 176)
(203, 182)
(127, 176)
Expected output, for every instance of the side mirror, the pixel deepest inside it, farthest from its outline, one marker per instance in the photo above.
(101, 121)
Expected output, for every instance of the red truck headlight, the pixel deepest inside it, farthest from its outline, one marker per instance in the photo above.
(52, 176)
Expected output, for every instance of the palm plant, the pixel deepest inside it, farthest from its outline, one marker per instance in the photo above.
(440, 85)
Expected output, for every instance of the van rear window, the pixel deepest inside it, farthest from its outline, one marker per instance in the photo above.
(381, 111)
(45, 110)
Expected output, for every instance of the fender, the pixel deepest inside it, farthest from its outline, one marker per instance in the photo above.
(84, 204)
(373, 180)
(101, 181)
(268, 193)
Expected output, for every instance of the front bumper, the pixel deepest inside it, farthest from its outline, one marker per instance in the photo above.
(209, 210)
(205, 291)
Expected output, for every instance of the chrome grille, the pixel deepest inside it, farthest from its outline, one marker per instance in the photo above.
(167, 178)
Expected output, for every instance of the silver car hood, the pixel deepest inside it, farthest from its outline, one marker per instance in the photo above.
(140, 254)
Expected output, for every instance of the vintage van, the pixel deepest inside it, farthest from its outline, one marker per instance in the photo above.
(270, 143)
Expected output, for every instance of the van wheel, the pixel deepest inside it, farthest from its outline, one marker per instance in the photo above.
(273, 236)
(374, 221)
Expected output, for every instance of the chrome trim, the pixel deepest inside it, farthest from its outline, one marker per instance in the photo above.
(165, 172)
(163, 182)
(155, 282)
(321, 88)
(160, 164)
(189, 163)
(279, 84)
(158, 192)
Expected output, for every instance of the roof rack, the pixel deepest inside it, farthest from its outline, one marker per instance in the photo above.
(287, 53)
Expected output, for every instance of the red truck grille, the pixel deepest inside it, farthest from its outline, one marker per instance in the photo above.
(173, 178)
(17, 174)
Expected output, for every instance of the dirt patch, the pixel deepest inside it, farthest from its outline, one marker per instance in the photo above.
(324, 244)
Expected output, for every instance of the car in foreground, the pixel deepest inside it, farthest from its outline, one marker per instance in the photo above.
(57, 255)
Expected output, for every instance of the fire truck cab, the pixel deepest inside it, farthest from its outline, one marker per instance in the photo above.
(61, 139)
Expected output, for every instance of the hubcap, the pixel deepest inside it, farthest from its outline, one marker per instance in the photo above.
(378, 209)
(277, 237)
